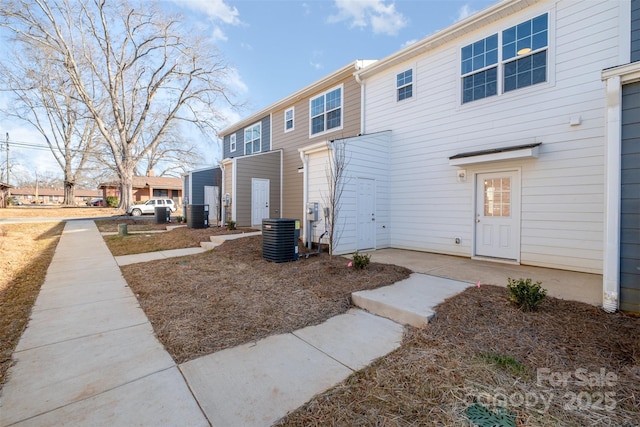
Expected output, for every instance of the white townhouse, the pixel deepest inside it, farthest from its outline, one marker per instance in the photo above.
(503, 137)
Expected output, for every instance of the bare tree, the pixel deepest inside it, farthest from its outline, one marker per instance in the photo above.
(336, 180)
(136, 62)
(44, 98)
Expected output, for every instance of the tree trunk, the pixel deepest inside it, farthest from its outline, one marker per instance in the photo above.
(69, 193)
(126, 191)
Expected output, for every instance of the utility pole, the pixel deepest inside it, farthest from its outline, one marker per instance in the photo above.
(8, 167)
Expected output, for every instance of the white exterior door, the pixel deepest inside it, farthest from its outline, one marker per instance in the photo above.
(211, 199)
(497, 219)
(259, 200)
(366, 213)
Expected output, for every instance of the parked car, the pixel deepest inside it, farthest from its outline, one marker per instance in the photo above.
(149, 207)
(96, 201)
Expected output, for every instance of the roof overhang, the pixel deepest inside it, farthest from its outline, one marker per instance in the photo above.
(526, 151)
(315, 148)
(628, 73)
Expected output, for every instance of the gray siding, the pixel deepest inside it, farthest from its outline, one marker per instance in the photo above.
(635, 30)
(200, 179)
(185, 189)
(266, 139)
(266, 166)
(630, 203)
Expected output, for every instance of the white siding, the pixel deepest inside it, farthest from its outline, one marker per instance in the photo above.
(562, 191)
(366, 156)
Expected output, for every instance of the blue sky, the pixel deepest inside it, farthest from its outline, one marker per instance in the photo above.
(277, 47)
(280, 46)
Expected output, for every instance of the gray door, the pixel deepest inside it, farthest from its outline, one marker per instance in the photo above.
(630, 200)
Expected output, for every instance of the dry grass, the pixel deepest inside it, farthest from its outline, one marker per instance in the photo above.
(231, 295)
(36, 211)
(27, 250)
(480, 348)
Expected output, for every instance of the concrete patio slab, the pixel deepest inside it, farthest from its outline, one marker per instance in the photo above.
(56, 375)
(355, 338)
(257, 384)
(71, 294)
(221, 238)
(160, 399)
(570, 285)
(410, 301)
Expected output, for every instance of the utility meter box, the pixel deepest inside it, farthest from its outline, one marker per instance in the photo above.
(312, 211)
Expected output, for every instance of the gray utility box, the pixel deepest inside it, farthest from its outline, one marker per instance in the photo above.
(280, 239)
(197, 216)
(163, 215)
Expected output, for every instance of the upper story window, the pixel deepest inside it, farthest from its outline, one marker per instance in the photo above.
(326, 111)
(404, 84)
(521, 61)
(252, 139)
(232, 142)
(288, 119)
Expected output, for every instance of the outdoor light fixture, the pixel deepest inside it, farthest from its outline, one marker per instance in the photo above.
(524, 50)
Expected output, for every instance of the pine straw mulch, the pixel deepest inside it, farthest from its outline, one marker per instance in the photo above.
(480, 348)
(27, 250)
(230, 295)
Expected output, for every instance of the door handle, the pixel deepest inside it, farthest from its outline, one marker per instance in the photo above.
(477, 220)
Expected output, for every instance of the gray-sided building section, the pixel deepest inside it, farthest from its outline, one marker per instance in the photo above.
(202, 187)
(259, 132)
(635, 30)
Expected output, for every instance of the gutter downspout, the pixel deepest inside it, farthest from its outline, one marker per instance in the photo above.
(305, 194)
(362, 100)
(223, 209)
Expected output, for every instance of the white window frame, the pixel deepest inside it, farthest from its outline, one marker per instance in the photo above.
(324, 112)
(412, 84)
(249, 128)
(232, 142)
(292, 119)
(501, 63)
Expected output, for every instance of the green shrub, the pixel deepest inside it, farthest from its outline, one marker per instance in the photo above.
(526, 295)
(231, 225)
(112, 201)
(505, 362)
(361, 261)
(179, 219)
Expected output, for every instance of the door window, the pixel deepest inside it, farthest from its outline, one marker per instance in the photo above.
(497, 197)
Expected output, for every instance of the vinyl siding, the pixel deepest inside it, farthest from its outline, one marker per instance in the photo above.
(290, 142)
(630, 203)
(201, 178)
(562, 192)
(265, 139)
(266, 166)
(635, 30)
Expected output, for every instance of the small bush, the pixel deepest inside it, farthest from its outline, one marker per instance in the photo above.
(505, 362)
(526, 295)
(361, 261)
(112, 201)
(231, 225)
(179, 219)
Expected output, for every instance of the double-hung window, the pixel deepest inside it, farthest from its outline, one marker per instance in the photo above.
(404, 85)
(288, 119)
(252, 139)
(511, 59)
(325, 111)
(232, 142)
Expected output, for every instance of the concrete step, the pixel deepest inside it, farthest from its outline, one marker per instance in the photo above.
(220, 239)
(411, 301)
(209, 245)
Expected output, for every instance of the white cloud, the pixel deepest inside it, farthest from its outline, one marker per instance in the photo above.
(235, 82)
(408, 42)
(381, 17)
(217, 10)
(218, 34)
(315, 60)
(464, 12)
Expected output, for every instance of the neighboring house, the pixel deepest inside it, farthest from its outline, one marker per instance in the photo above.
(202, 187)
(147, 187)
(4, 194)
(49, 196)
(497, 139)
(261, 160)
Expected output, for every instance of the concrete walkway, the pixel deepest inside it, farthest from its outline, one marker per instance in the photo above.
(89, 356)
